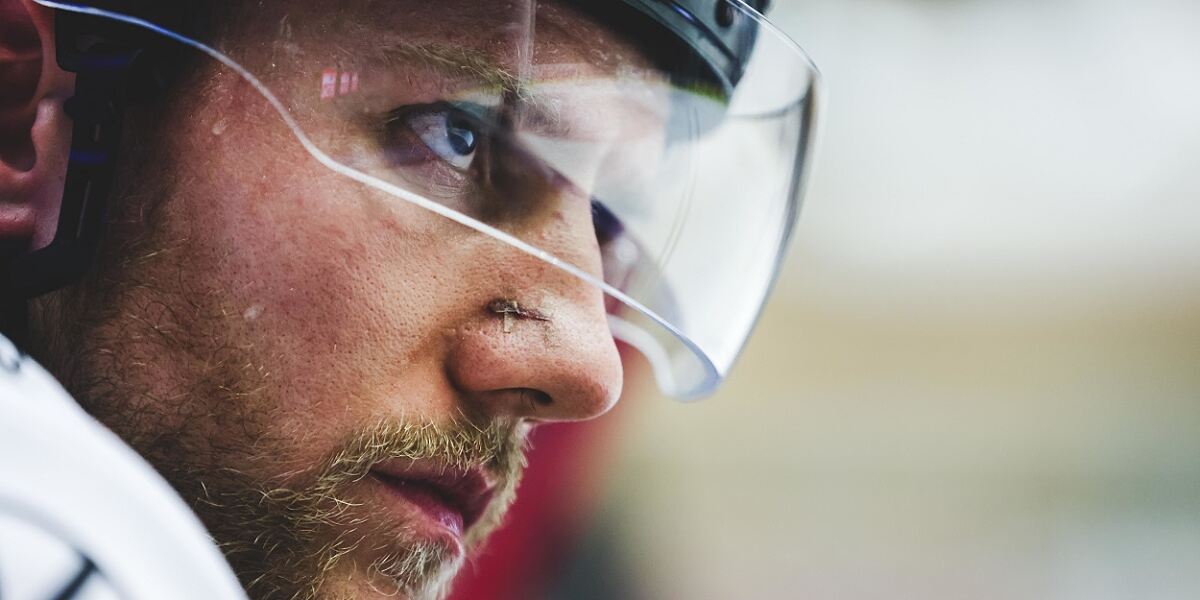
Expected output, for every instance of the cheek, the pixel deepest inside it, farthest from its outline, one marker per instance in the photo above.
(342, 299)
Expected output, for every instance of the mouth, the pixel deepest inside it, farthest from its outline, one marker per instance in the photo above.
(450, 499)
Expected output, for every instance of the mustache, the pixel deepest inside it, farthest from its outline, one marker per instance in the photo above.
(497, 447)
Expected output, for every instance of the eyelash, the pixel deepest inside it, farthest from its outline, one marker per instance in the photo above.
(503, 180)
(404, 119)
(404, 150)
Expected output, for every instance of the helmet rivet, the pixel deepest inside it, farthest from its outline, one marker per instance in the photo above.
(726, 13)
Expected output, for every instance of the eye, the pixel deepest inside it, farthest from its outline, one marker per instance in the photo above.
(608, 227)
(619, 253)
(467, 155)
(420, 134)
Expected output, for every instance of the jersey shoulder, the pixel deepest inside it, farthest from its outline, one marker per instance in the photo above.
(81, 514)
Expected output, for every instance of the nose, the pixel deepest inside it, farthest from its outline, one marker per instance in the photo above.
(546, 359)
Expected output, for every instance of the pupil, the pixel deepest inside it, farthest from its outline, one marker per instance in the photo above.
(462, 138)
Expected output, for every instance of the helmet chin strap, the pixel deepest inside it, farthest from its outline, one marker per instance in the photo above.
(115, 65)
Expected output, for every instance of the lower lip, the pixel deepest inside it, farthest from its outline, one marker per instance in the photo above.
(429, 502)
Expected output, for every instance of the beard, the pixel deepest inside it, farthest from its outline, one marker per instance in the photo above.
(289, 531)
(306, 542)
(160, 358)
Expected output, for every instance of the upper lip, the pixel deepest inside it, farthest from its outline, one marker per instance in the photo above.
(467, 491)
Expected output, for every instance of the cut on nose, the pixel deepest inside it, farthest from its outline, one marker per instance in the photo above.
(544, 363)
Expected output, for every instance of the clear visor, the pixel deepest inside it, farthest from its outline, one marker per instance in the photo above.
(634, 149)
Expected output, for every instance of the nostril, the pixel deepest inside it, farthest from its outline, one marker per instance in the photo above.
(536, 398)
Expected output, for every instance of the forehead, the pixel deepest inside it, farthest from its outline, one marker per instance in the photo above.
(516, 35)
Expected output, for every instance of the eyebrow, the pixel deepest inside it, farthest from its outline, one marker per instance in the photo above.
(476, 66)
(515, 93)
(456, 62)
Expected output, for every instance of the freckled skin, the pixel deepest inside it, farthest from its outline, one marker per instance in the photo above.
(251, 307)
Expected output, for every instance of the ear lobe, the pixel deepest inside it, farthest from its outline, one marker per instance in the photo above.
(35, 134)
(30, 198)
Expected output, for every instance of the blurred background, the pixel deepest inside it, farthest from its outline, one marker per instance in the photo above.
(979, 376)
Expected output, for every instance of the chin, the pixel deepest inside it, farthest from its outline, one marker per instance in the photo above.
(434, 586)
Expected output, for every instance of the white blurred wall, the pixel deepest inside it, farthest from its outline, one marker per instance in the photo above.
(980, 377)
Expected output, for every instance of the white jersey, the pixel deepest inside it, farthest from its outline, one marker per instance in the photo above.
(83, 516)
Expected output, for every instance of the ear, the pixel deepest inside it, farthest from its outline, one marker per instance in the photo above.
(35, 134)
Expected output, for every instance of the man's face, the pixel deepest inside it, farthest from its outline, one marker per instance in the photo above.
(338, 381)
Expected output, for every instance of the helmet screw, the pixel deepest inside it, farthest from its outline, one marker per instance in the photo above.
(726, 13)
